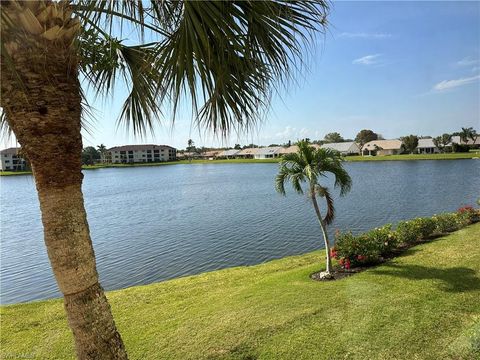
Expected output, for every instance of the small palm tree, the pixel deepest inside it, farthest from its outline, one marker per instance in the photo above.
(103, 152)
(310, 165)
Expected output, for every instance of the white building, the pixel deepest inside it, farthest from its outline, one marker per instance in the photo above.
(344, 148)
(228, 154)
(10, 160)
(268, 152)
(427, 146)
(141, 154)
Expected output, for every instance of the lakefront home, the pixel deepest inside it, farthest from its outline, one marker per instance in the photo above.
(10, 160)
(268, 152)
(247, 153)
(382, 147)
(427, 146)
(344, 148)
(141, 154)
(228, 154)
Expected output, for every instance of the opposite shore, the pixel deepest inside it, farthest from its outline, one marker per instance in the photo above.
(407, 157)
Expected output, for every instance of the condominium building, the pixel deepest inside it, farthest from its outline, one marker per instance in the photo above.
(10, 160)
(140, 154)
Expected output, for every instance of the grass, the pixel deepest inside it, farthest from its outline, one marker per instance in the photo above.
(422, 305)
(448, 156)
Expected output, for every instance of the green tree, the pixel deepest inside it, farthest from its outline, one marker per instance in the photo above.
(333, 137)
(442, 141)
(225, 57)
(410, 143)
(364, 136)
(309, 165)
(90, 155)
(237, 147)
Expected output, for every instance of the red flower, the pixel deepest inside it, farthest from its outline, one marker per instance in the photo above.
(347, 264)
(360, 257)
(341, 261)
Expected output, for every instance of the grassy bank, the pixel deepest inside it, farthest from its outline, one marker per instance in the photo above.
(422, 305)
(255, 161)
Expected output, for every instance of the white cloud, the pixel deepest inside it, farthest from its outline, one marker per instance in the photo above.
(368, 60)
(363, 35)
(468, 61)
(450, 84)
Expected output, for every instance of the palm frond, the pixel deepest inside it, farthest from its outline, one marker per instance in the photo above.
(324, 193)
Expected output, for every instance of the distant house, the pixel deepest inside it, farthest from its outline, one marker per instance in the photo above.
(293, 149)
(228, 154)
(344, 148)
(427, 146)
(141, 153)
(267, 152)
(382, 147)
(210, 154)
(247, 153)
(10, 160)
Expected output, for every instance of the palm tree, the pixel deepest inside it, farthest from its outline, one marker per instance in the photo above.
(466, 134)
(310, 165)
(224, 57)
(103, 152)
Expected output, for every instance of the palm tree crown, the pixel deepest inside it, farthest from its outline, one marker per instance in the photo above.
(308, 165)
(226, 57)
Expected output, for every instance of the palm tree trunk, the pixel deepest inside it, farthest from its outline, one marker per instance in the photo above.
(324, 232)
(42, 102)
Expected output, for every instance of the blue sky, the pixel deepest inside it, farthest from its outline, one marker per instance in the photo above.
(397, 68)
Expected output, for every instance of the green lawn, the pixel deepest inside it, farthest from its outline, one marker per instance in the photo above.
(448, 156)
(423, 305)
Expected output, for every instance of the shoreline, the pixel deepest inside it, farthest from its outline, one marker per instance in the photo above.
(355, 158)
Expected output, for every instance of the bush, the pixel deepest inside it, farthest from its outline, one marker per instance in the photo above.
(467, 215)
(384, 238)
(446, 223)
(364, 249)
(370, 247)
(408, 232)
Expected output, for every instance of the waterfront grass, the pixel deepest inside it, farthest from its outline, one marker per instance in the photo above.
(447, 156)
(422, 305)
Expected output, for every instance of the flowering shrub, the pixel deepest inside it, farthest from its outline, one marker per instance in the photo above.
(368, 248)
(467, 215)
(446, 223)
(408, 232)
(384, 238)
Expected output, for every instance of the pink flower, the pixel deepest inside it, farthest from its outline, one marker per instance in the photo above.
(347, 264)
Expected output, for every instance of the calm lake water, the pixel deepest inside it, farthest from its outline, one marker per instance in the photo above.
(155, 223)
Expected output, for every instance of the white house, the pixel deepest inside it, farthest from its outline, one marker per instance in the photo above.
(141, 153)
(344, 148)
(228, 154)
(10, 160)
(382, 147)
(247, 153)
(427, 146)
(267, 152)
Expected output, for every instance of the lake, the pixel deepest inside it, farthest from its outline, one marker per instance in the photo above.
(155, 223)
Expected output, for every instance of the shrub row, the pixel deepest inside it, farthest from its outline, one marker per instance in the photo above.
(371, 247)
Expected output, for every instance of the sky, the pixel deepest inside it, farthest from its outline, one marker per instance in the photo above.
(397, 68)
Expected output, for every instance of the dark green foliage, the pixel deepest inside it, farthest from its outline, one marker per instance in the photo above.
(365, 136)
(334, 137)
(410, 143)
